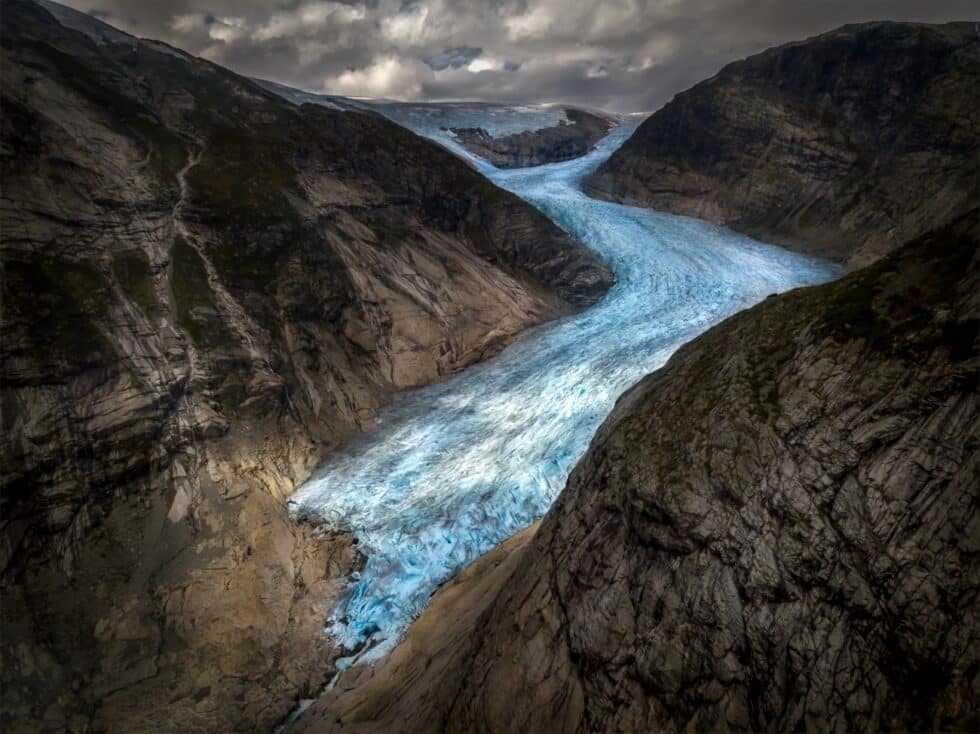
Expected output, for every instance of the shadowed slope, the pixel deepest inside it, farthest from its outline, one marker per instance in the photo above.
(845, 145)
(778, 530)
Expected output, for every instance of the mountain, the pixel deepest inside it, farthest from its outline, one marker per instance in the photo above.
(207, 288)
(778, 531)
(844, 145)
(572, 131)
(575, 135)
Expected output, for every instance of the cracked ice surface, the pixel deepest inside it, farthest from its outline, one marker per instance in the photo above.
(452, 470)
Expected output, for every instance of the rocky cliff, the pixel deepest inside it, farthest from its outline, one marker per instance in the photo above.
(573, 137)
(778, 531)
(205, 289)
(844, 145)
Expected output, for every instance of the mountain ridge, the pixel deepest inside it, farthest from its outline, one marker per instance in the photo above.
(206, 289)
(826, 146)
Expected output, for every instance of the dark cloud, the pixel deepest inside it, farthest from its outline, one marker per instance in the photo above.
(619, 54)
(453, 58)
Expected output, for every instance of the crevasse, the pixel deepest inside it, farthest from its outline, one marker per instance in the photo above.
(452, 470)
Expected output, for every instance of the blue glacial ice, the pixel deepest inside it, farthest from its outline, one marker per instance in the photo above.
(452, 470)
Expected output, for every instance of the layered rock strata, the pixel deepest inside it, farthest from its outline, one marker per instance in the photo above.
(205, 289)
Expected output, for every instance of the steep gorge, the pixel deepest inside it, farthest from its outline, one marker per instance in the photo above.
(779, 530)
(205, 290)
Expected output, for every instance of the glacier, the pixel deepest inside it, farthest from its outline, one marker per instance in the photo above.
(453, 469)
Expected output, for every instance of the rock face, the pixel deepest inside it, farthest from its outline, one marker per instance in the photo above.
(205, 289)
(844, 145)
(779, 530)
(571, 138)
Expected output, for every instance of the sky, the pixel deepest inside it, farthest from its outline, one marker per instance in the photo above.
(619, 55)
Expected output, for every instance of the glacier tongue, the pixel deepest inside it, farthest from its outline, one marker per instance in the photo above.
(452, 470)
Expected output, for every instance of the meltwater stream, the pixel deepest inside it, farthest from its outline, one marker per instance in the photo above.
(452, 470)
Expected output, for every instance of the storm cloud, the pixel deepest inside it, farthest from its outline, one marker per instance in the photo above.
(624, 55)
